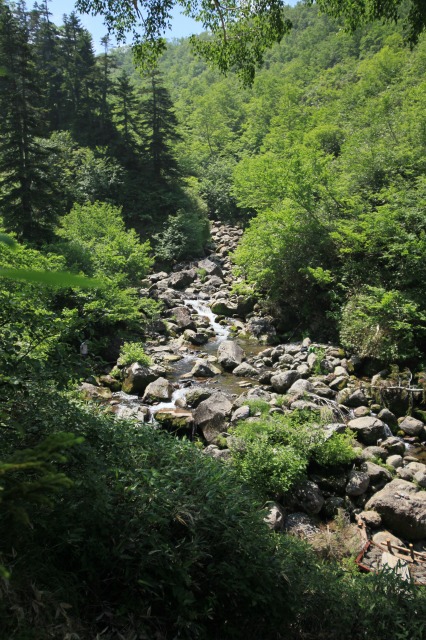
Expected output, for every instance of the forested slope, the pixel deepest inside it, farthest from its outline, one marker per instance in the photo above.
(109, 527)
(324, 158)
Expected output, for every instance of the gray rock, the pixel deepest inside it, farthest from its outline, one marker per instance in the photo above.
(275, 517)
(395, 461)
(195, 337)
(338, 383)
(245, 370)
(229, 355)
(183, 318)
(371, 518)
(332, 506)
(160, 389)
(411, 426)
(210, 267)
(223, 307)
(303, 370)
(381, 537)
(309, 497)
(388, 418)
(282, 381)
(262, 326)
(358, 483)
(368, 430)
(420, 479)
(301, 525)
(197, 395)
(219, 454)
(242, 413)
(373, 452)
(92, 392)
(137, 378)
(301, 386)
(356, 399)
(211, 415)
(402, 506)
(393, 445)
(361, 412)
(204, 369)
(378, 475)
(182, 279)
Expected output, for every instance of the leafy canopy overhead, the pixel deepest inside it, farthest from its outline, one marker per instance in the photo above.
(240, 30)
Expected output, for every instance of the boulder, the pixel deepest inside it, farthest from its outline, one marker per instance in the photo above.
(393, 446)
(203, 369)
(194, 337)
(371, 518)
(358, 483)
(210, 268)
(283, 380)
(388, 418)
(229, 355)
(183, 318)
(378, 475)
(137, 378)
(182, 279)
(175, 421)
(301, 386)
(402, 507)
(368, 430)
(356, 399)
(275, 517)
(197, 395)
(223, 307)
(395, 461)
(92, 392)
(262, 327)
(246, 370)
(242, 413)
(411, 426)
(309, 497)
(211, 415)
(160, 389)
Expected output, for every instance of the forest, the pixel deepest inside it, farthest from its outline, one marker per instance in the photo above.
(311, 143)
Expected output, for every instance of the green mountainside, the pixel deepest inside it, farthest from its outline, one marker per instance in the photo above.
(113, 529)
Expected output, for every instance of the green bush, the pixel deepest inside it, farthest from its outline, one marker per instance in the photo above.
(98, 243)
(272, 453)
(184, 237)
(132, 352)
(381, 324)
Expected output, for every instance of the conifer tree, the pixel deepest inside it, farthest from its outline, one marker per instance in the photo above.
(24, 186)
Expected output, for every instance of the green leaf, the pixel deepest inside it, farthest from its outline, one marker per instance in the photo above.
(62, 279)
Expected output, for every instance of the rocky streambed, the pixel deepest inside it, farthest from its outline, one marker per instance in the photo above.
(214, 351)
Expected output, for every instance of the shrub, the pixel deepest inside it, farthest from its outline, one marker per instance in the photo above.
(184, 237)
(381, 324)
(132, 352)
(98, 243)
(272, 453)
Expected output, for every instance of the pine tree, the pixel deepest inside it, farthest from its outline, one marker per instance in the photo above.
(161, 126)
(78, 59)
(24, 186)
(45, 38)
